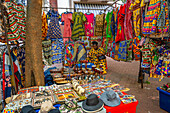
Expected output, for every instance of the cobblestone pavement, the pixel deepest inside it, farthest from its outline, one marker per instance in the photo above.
(126, 74)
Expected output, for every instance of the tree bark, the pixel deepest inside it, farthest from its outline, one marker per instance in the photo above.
(33, 47)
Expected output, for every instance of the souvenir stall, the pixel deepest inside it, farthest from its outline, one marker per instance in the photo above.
(71, 81)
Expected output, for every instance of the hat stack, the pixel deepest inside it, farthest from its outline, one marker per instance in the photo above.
(78, 88)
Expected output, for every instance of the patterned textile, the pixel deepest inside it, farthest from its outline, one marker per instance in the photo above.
(46, 44)
(122, 51)
(128, 21)
(136, 49)
(120, 36)
(69, 51)
(159, 67)
(78, 28)
(108, 20)
(116, 52)
(57, 52)
(54, 30)
(44, 26)
(93, 53)
(113, 26)
(99, 25)
(87, 42)
(109, 48)
(151, 17)
(129, 50)
(113, 50)
(163, 18)
(166, 68)
(79, 52)
(89, 25)
(17, 21)
(21, 59)
(66, 18)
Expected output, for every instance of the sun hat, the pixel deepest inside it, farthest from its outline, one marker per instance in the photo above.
(110, 98)
(92, 104)
(46, 107)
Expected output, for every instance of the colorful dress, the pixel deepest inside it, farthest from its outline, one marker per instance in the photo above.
(93, 53)
(122, 51)
(66, 18)
(17, 21)
(108, 20)
(89, 25)
(129, 50)
(99, 25)
(78, 28)
(69, 51)
(54, 30)
(46, 44)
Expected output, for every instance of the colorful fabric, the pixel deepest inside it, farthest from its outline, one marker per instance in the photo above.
(113, 26)
(44, 26)
(128, 21)
(66, 18)
(166, 68)
(78, 28)
(89, 25)
(69, 51)
(116, 52)
(93, 53)
(108, 20)
(17, 21)
(151, 17)
(122, 50)
(79, 52)
(54, 30)
(159, 67)
(113, 50)
(136, 49)
(57, 52)
(87, 42)
(129, 50)
(120, 24)
(46, 44)
(100, 25)
(109, 48)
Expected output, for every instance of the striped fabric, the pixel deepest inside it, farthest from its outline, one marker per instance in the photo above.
(17, 21)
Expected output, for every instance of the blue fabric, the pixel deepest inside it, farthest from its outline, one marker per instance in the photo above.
(48, 77)
(7, 92)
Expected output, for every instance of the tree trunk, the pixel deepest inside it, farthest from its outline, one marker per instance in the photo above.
(33, 47)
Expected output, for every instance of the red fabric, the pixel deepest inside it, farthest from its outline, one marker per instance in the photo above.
(128, 21)
(16, 79)
(3, 75)
(120, 29)
(122, 108)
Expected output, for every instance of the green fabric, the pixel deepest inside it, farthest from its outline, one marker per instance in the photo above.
(108, 20)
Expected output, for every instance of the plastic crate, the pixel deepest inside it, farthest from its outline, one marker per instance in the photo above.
(164, 99)
(56, 106)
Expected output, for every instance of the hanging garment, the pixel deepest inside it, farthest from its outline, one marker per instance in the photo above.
(166, 64)
(79, 52)
(122, 51)
(120, 25)
(129, 50)
(109, 48)
(93, 53)
(69, 51)
(89, 25)
(116, 21)
(44, 26)
(54, 30)
(78, 28)
(113, 50)
(66, 18)
(46, 44)
(108, 20)
(151, 17)
(136, 49)
(57, 52)
(86, 40)
(116, 52)
(17, 21)
(99, 27)
(128, 21)
(113, 26)
(163, 22)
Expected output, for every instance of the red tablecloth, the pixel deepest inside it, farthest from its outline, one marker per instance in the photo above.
(122, 108)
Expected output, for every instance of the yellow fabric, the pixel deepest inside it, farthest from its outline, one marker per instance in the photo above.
(44, 26)
(93, 53)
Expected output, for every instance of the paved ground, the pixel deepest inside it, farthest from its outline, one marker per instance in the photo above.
(126, 74)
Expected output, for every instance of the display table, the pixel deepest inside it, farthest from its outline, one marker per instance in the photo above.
(122, 108)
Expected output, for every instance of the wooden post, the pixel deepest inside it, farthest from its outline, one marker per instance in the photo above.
(34, 64)
(8, 47)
